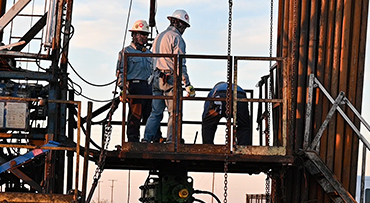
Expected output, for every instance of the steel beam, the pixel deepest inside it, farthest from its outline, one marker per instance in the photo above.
(29, 75)
(31, 33)
(10, 15)
(34, 197)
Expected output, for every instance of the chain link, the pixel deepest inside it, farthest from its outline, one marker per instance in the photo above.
(271, 75)
(293, 64)
(273, 189)
(228, 94)
(103, 151)
(293, 78)
(267, 188)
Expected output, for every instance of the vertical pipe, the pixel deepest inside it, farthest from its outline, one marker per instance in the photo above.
(87, 149)
(330, 133)
(54, 94)
(48, 170)
(350, 43)
(320, 68)
(363, 170)
(51, 23)
(285, 72)
(124, 90)
(63, 92)
(360, 80)
(330, 81)
(179, 102)
(301, 72)
(339, 138)
(71, 126)
(175, 136)
(314, 28)
(77, 149)
(323, 40)
(277, 112)
(286, 52)
(296, 172)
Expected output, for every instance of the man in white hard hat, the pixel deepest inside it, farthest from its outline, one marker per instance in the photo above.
(138, 71)
(169, 41)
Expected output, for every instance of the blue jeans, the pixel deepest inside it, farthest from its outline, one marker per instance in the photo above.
(158, 106)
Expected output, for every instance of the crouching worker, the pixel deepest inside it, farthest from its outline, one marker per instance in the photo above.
(215, 110)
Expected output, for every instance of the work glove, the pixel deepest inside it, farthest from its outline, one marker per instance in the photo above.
(121, 97)
(190, 90)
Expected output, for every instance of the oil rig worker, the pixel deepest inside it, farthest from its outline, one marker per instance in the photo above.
(169, 41)
(138, 71)
(215, 110)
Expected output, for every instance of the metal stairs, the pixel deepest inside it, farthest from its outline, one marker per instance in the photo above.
(312, 161)
(323, 175)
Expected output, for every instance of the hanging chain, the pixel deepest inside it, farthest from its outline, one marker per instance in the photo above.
(108, 128)
(273, 189)
(267, 132)
(267, 188)
(271, 75)
(103, 151)
(228, 94)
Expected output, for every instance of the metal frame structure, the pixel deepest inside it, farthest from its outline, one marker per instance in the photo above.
(40, 196)
(54, 80)
(324, 38)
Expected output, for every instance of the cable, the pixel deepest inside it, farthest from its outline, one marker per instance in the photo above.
(72, 87)
(129, 186)
(198, 200)
(209, 193)
(80, 92)
(38, 59)
(128, 19)
(103, 85)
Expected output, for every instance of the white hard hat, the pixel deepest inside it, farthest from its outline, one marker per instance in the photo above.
(140, 26)
(181, 15)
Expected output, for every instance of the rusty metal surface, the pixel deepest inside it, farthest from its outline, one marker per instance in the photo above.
(5, 135)
(150, 158)
(145, 147)
(26, 179)
(34, 197)
(261, 150)
(201, 149)
(36, 147)
(363, 9)
(330, 37)
(16, 54)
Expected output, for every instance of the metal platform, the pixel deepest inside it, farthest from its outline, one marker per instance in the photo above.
(196, 158)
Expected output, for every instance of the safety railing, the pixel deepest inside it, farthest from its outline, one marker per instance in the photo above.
(279, 102)
(276, 148)
(340, 100)
(48, 138)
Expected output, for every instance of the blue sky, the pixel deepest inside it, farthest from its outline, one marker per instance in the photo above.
(99, 30)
